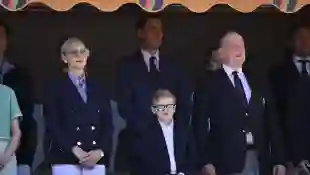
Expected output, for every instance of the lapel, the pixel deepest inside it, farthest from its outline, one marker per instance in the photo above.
(225, 84)
(74, 94)
(140, 64)
(291, 70)
(256, 96)
(180, 139)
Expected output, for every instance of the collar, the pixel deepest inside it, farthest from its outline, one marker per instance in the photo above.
(74, 78)
(164, 125)
(298, 58)
(6, 66)
(230, 70)
(147, 55)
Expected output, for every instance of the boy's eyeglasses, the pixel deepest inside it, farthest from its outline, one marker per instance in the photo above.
(159, 108)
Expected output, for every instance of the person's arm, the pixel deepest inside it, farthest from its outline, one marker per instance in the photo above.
(15, 130)
(201, 128)
(275, 131)
(295, 119)
(124, 91)
(53, 119)
(106, 127)
(15, 138)
(184, 95)
(191, 154)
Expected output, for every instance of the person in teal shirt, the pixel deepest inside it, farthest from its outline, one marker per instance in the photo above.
(10, 133)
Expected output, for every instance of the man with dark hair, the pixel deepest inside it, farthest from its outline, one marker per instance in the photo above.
(291, 83)
(142, 73)
(16, 78)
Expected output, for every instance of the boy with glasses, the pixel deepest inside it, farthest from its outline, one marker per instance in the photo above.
(165, 146)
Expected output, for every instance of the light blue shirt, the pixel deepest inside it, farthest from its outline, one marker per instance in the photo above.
(246, 87)
(299, 64)
(80, 87)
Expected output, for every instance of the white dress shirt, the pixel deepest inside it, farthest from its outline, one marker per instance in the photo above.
(146, 55)
(246, 87)
(168, 134)
(298, 64)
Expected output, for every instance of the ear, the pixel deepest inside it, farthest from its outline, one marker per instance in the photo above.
(63, 59)
(87, 53)
(140, 34)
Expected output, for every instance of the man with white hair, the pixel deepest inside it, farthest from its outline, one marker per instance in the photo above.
(234, 121)
(78, 115)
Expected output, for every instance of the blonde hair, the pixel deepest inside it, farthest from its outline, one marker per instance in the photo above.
(67, 45)
(162, 93)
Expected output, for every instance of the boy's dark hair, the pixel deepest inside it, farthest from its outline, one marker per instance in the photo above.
(144, 19)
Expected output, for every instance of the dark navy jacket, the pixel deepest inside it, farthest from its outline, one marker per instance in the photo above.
(135, 89)
(150, 154)
(70, 121)
(224, 143)
(292, 95)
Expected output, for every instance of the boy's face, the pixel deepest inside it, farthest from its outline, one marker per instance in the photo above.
(164, 108)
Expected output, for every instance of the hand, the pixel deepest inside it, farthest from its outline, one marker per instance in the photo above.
(208, 170)
(79, 153)
(279, 170)
(303, 165)
(93, 158)
(4, 159)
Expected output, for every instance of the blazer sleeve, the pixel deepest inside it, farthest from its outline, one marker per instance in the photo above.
(124, 91)
(184, 94)
(275, 131)
(191, 154)
(107, 126)
(53, 118)
(296, 118)
(200, 123)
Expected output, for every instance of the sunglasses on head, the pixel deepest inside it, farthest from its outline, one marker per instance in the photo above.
(158, 108)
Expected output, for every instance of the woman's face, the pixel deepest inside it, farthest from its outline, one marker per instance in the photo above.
(76, 56)
(164, 108)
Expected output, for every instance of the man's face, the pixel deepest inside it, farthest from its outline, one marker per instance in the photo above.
(76, 56)
(233, 50)
(3, 40)
(152, 33)
(302, 42)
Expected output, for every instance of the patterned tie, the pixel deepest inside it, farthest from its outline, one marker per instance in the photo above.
(81, 81)
(239, 87)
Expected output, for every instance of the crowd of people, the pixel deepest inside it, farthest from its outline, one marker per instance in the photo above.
(229, 122)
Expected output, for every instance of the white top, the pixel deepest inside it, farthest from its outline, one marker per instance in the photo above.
(168, 134)
(147, 56)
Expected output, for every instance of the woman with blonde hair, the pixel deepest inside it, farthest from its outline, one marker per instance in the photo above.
(78, 115)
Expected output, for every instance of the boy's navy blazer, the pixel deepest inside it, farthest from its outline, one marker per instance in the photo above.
(150, 154)
(135, 88)
(70, 121)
